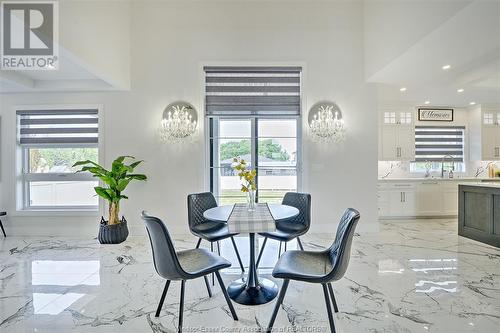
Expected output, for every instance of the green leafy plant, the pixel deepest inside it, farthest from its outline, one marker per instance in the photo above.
(116, 180)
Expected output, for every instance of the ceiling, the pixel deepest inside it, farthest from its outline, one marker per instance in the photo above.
(469, 42)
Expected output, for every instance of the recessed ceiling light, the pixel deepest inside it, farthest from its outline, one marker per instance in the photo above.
(402, 89)
(472, 103)
(446, 67)
(461, 90)
(427, 102)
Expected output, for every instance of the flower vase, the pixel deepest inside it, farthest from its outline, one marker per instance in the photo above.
(251, 200)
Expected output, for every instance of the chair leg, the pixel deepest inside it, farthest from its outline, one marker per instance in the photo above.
(300, 243)
(281, 296)
(162, 298)
(328, 308)
(199, 242)
(208, 286)
(238, 255)
(279, 251)
(218, 248)
(181, 306)
(332, 296)
(285, 245)
(226, 296)
(212, 250)
(3, 230)
(261, 251)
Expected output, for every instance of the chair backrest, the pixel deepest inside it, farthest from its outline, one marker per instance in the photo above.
(340, 251)
(301, 201)
(198, 203)
(164, 256)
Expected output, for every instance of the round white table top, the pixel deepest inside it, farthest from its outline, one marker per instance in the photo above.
(278, 211)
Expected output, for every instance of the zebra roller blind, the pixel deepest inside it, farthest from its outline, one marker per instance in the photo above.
(243, 91)
(433, 143)
(58, 127)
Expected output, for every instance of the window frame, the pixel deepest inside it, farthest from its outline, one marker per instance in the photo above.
(211, 149)
(24, 177)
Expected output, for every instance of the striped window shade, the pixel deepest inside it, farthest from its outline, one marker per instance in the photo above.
(243, 91)
(58, 127)
(433, 143)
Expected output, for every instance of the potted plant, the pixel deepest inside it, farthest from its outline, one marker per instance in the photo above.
(113, 230)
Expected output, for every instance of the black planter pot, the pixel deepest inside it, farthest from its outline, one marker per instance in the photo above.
(112, 234)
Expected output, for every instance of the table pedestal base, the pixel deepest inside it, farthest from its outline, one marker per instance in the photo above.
(264, 292)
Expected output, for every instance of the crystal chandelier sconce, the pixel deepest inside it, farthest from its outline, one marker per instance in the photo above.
(179, 121)
(326, 123)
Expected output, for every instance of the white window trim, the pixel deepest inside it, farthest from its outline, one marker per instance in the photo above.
(21, 190)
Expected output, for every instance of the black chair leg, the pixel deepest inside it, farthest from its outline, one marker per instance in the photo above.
(218, 248)
(238, 255)
(281, 296)
(212, 250)
(208, 286)
(181, 306)
(279, 251)
(300, 243)
(199, 242)
(226, 296)
(285, 245)
(261, 251)
(162, 298)
(3, 230)
(328, 308)
(332, 296)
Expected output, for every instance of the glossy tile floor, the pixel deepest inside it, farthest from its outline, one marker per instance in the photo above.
(414, 276)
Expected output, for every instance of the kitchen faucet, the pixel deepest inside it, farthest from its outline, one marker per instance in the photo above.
(442, 164)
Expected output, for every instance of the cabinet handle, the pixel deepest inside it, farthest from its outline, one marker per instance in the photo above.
(404, 196)
(401, 196)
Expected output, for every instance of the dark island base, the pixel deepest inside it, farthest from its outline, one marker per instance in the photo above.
(479, 213)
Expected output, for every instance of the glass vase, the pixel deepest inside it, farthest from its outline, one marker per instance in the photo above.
(251, 200)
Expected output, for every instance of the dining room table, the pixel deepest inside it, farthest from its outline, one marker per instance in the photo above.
(252, 289)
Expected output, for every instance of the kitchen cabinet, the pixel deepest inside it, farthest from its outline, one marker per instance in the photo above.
(419, 197)
(429, 198)
(397, 136)
(485, 133)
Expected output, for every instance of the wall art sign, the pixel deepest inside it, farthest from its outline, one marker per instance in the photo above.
(427, 114)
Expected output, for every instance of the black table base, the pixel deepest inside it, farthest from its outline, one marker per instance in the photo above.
(252, 290)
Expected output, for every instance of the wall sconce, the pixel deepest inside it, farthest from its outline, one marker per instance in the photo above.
(326, 123)
(179, 121)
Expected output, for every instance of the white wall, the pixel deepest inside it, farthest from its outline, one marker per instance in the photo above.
(170, 43)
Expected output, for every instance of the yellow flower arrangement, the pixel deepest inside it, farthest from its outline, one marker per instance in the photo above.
(247, 175)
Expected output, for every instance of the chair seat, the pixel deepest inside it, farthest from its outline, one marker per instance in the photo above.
(200, 262)
(305, 266)
(285, 231)
(3, 213)
(212, 231)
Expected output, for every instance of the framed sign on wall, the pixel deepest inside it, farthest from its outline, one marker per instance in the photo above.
(430, 114)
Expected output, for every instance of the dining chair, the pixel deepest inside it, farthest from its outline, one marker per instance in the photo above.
(182, 265)
(295, 227)
(1, 225)
(202, 228)
(322, 267)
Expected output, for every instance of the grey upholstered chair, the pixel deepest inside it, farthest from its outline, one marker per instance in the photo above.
(182, 265)
(318, 267)
(289, 229)
(1, 225)
(210, 231)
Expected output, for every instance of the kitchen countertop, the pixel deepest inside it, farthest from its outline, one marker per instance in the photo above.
(438, 179)
(483, 184)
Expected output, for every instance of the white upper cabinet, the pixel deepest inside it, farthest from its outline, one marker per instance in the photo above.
(485, 133)
(397, 135)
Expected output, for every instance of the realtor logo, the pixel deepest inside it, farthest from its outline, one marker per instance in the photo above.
(29, 35)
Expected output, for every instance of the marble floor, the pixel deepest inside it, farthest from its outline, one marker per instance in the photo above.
(412, 276)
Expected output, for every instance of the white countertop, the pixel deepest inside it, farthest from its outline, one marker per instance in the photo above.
(483, 184)
(455, 179)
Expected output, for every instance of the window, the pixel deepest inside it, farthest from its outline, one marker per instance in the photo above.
(433, 144)
(488, 119)
(389, 117)
(253, 113)
(50, 142)
(406, 117)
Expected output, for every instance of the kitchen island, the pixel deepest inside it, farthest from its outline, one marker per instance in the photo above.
(479, 212)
